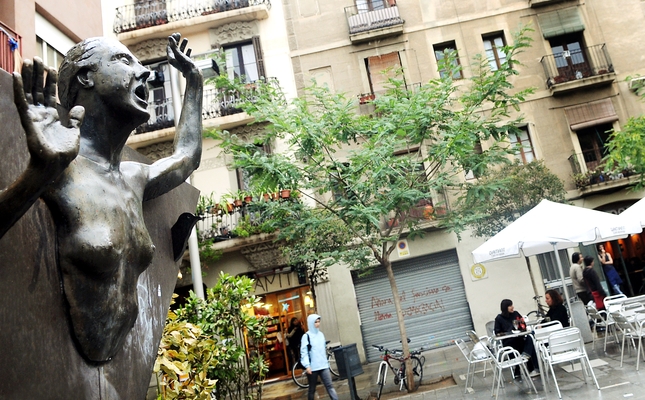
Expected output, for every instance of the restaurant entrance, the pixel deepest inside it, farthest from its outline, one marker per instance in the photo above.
(281, 308)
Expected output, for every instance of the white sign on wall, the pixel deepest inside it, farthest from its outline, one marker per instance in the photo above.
(402, 248)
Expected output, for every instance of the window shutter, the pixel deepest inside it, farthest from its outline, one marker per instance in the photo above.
(258, 56)
(591, 114)
(560, 22)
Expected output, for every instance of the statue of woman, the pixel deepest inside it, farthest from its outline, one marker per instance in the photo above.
(97, 201)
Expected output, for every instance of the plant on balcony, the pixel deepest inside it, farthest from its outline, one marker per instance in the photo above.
(627, 150)
(332, 149)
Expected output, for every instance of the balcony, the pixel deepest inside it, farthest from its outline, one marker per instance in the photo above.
(150, 13)
(10, 42)
(161, 116)
(578, 69)
(589, 177)
(220, 107)
(365, 25)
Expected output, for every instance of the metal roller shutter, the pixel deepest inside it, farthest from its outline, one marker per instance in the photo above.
(433, 299)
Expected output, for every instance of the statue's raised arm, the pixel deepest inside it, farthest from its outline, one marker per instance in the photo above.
(168, 173)
(51, 145)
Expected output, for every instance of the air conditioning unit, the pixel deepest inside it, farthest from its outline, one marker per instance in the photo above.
(637, 83)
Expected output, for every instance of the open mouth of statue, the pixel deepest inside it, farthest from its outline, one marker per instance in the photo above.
(142, 94)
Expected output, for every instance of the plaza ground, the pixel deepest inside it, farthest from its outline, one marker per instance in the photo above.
(444, 378)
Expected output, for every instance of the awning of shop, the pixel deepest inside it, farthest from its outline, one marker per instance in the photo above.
(560, 22)
(590, 114)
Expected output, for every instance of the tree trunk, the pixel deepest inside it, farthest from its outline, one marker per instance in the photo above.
(399, 315)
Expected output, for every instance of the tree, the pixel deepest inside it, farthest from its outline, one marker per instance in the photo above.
(204, 345)
(627, 150)
(522, 187)
(366, 170)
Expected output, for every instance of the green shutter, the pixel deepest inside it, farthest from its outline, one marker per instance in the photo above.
(560, 22)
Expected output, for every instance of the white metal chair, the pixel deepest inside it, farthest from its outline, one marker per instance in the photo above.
(614, 302)
(490, 328)
(601, 320)
(631, 329)
(507, 358)
(567, 345)
(474, 356)
(540, 335)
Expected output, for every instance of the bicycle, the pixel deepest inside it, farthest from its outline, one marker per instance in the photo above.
(299, 374)
(400, 377)
(541, 309)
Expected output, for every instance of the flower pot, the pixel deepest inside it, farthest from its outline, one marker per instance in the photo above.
(248, 199)
(229, 207)
(275, 196)
(237, 202)
(266, 196)
(285, 193)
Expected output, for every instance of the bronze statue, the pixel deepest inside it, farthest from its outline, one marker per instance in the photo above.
(97, 200)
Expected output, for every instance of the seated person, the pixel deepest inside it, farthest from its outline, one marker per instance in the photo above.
(523, 344)
(557, 310)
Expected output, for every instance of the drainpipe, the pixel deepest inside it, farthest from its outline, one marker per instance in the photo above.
(193, 248)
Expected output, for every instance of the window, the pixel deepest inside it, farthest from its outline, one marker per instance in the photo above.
(570, 58)
(364, 6)
(551, 273)
(50, 56)
(243, 177)
(522, 142)
(593, 141)
(159, 98)
(244, 61)
(440, 52)
(494, 47)
(375, 67)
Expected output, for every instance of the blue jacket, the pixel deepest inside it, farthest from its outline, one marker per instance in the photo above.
(316, 359)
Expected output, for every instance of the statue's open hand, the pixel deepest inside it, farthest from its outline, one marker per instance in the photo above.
(178, 56)
(52, 146)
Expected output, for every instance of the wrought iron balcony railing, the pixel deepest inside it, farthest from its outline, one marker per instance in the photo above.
(161, 116)
(588, 169)
(222, 102)
(576, 64)
(360, 20)
(10, 42)
(148, 13)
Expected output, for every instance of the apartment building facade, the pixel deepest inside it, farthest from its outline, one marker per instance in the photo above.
(579, 62)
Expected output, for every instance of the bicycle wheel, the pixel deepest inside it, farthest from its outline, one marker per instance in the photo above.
(332, 363)
(380, 381)
(417, 370)
(299, 376)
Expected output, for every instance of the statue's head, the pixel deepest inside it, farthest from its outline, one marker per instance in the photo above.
(107, 68)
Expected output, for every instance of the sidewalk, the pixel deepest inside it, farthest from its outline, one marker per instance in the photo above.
(448, 363)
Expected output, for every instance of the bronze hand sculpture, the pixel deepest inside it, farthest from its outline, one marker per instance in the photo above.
(97, 201)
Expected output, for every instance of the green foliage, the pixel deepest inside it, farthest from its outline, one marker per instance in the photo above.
(185, 354)
(358, 157)
(220, 325)
(627, 151)
(364, 170)
(519, 187)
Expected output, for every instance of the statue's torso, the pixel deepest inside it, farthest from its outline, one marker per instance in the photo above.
(103, 246)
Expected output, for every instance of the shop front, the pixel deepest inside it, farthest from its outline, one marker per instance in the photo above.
(282, 309)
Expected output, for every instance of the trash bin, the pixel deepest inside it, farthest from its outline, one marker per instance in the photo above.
(348, 361)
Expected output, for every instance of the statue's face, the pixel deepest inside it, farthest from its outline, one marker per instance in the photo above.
(120, 80)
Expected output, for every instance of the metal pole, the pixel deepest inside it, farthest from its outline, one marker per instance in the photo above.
(564, 284)
(193, 247)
